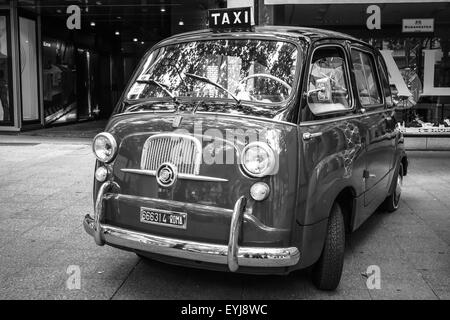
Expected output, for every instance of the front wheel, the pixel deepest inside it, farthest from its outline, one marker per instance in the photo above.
(327, 271)
(392, 202)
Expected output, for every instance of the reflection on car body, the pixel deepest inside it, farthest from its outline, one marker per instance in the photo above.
(252, 151)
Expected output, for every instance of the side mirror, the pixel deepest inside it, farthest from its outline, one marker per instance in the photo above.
(323, 90)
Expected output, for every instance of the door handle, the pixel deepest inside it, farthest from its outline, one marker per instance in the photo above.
(308, 136)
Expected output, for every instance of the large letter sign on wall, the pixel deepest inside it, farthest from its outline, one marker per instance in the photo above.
(395, 77)
(431, 56)
(374, 20)
(74, 20)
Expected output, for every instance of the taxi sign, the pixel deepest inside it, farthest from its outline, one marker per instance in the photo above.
(228, 19)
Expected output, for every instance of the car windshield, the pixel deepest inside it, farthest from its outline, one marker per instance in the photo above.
(241, 70)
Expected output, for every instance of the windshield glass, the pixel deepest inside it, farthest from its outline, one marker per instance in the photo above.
(248, 70)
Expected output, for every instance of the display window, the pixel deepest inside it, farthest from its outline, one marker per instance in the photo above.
(29, 70)
(423, 99)
(59, 81)
(6, 105)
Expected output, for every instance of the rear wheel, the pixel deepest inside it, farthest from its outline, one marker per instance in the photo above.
(328, 270)
(392, 202)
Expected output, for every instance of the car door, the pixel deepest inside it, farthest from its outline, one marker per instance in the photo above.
(330, 133)
(391, 122)
(375, 118)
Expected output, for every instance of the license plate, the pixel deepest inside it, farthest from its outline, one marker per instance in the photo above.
(164, 218)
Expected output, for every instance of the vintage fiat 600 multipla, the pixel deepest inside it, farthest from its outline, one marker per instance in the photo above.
(252, 150)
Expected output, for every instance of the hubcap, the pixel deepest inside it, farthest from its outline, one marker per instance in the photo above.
(398, 187)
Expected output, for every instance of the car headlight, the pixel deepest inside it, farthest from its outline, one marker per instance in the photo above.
(258, 159)
(104, 147)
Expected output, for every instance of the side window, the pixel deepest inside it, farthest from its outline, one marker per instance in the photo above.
(366, 79)
(384, 74)
(328, 88)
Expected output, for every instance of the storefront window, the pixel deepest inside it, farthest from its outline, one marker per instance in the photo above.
(29, 69)
(424, 64)
(6, 107)
(59, 81)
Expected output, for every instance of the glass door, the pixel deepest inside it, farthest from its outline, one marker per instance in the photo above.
(6, 105)
(29, 70)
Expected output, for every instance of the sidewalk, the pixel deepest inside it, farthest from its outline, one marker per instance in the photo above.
(78, 133)
(87, 129)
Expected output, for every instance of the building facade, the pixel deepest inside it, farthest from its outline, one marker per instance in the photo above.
(63, 61)
(413, 36)
(67, 61)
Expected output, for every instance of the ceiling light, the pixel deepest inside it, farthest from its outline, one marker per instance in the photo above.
(92, 24)
(135, 40)
(117, 33)
(163, 9)
(142, 42)
(181, 23)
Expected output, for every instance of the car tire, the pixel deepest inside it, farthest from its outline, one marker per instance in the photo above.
(392, 202)
(327, 271)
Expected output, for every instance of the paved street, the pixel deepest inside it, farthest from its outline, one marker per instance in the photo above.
(45, 191)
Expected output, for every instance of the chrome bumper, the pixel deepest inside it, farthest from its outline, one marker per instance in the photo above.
(231, 255)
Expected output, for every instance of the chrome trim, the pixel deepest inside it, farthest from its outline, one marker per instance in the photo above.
(343, 118)
(153, 156)
(247, 117)
(98, 212)
(151, 173)
(171, 113)
(168, 167)
(196, 251)
(113, 142)
(308, 136)
(235, 230)
(181, 176)
(272, 159)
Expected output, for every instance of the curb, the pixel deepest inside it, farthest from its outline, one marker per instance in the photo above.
(29, 140)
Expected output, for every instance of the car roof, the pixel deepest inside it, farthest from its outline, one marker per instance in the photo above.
(292, 33)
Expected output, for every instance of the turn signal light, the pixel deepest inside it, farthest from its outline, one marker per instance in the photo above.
(260, 191)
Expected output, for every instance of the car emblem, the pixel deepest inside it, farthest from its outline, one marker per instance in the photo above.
(166, 175)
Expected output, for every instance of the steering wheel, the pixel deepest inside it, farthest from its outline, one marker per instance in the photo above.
(264, 75)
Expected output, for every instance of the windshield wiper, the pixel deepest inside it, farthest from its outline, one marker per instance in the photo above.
(163, 87)
(200, 78)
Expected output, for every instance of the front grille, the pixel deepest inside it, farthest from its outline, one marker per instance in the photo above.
(180, 150)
